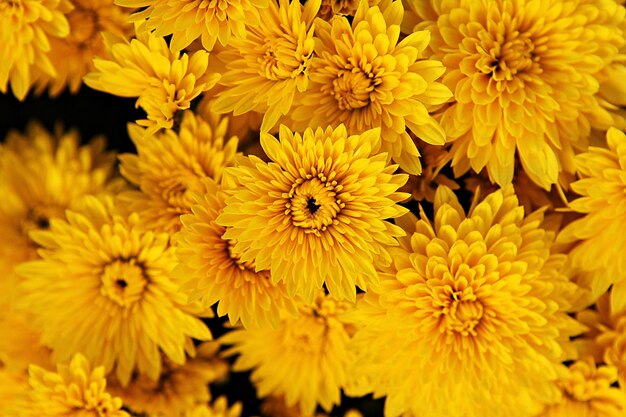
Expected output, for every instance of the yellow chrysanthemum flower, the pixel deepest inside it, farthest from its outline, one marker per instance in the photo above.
(306, 359)
(264, 70)
(188, 20)
(477, 296)
(525, 79)
(211, 272)
(75, 390)
(169, 167)
(364, 77)
(219, 408)
(315, 214)
(587, 392)
(42, 175)
(179, 387)
(104, 288)
(72, 56)
(25, 29)
(601, 233)
(164, 81)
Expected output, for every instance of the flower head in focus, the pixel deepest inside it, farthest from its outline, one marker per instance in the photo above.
(26, 28)
(163, 80)
(478, 296)
(104, 288)
(188, 20)
(316, 213)
(169, 167)
(525, 76)
(364, 77)
(305, 359)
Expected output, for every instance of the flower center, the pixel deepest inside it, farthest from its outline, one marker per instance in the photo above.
(352, 88)
(230, 245)
(283, 58)
(83, 25)
(177, 190)
(123, 282)
(38, 218)
(503, 61)
(313, 203)
(461, 311)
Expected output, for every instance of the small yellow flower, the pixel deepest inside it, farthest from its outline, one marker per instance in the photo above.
(365, 77)
(169, 167)
(26, 27)
(188, 20)
(164, 81)
(317, 213)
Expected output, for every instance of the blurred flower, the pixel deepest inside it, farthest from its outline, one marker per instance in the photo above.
(20, 344)
(305, 359)
(26, 27)
(364, 77)
(104, 288)
(264, 70)
(525, 79)
(316, 214)
(219, 408)
(188, 20)
(164, 81)
(477, 296)
(169, 166)
(42, 175)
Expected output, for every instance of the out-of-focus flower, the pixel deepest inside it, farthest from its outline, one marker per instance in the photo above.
(264, 70)
(163, 80)
(42, 175)
(600, 235)
(178, 388)
(26, 27)
(477, 296)
(20, 344)
(219, 408)
(188, 20)
(104, 288)
(315, 214)
(364, 77)
(305, 359)
(525, 76)
(169, 167)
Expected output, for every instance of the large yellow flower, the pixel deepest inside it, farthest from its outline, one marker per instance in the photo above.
(42, 175)
(264, 70)
(75, 390)
(471, 319)
(305, 359)
(103, 288)
(179, 387)
(25, 29)
(587, 392)
(163, 80)
(316, 213)
(525, 79)
(169, 167)
(72, 56)
(211, 272)
(364, 77)
(601, 234)
(188, 20)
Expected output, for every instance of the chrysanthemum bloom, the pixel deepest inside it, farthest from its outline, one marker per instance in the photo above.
(103, 287)
(42, 175)
(179, 387)
(601, 233)
(75, 390)
(72, 56)
(164, 81)
(477, 296)
(306, 359)
(316, 213)
(169, 167)
(219, 408)
(188, 20)
(26, 27)
(264, 70)
(364, 77)
(524, 75)
(212, 273)
(587, 392)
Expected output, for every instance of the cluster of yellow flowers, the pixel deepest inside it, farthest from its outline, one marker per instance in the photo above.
(419, 200)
